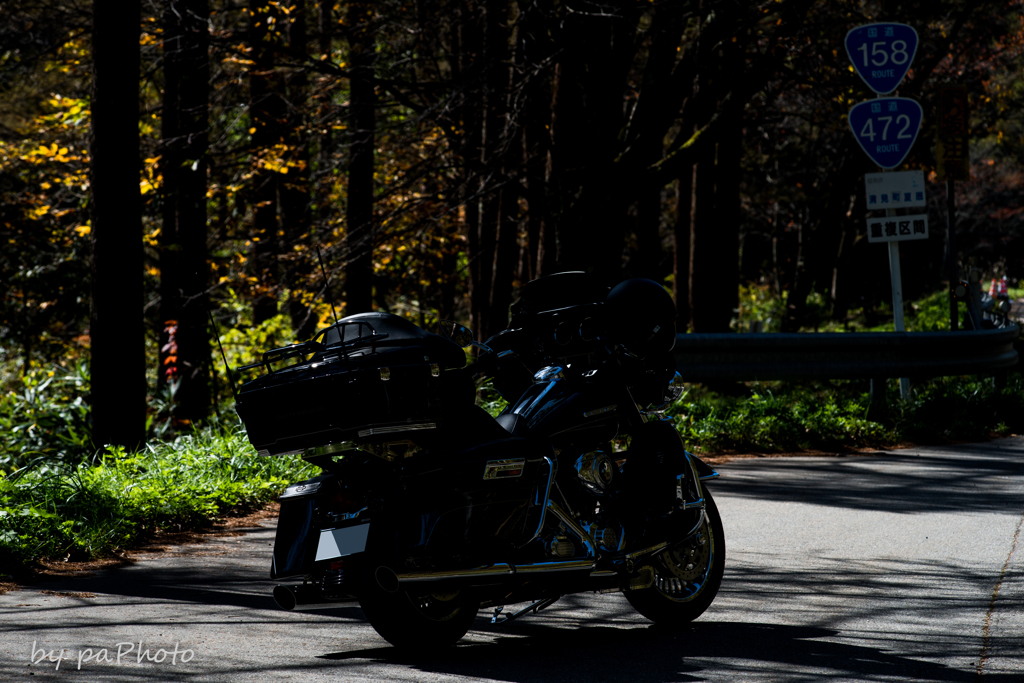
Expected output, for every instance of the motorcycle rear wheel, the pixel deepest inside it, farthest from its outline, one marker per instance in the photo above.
(420, 621)
(687, 579)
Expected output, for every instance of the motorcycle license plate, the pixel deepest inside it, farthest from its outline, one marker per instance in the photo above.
(341, 542)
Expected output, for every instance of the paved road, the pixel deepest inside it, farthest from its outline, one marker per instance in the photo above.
(902, 566)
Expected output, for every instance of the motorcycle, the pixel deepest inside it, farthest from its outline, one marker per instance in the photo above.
(985, 310)
(428, 509)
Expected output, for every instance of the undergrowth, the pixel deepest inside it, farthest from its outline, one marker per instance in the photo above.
(59, 498)
(785, 417)
(56, 509)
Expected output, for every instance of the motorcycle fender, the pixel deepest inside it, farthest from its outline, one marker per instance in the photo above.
(704, 471)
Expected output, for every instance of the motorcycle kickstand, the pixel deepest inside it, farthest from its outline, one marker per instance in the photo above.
(535, 607)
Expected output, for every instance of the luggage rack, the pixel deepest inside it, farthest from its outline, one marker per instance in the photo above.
(314, 346)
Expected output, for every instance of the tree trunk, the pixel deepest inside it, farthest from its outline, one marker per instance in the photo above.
(681, 248)
(647, 230)
(267, 110)
(726, 249)
(702, 284)
(498, 226)
(116, 326)
(657, 106)
(362, 124)
(598, 46)
(184, 272)
(467, 47)
(296, 219)
(325, 153)
(714, 244)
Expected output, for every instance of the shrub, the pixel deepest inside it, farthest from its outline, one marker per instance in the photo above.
(84, 510)
(46, 418)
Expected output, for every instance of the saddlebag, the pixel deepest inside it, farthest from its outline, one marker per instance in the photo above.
(453, 511)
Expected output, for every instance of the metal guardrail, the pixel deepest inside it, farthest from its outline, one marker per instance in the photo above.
(854, 355)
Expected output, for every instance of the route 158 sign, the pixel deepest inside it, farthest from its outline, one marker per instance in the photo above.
(881, 54)
(886, 128)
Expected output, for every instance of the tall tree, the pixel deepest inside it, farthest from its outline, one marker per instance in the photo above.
(116, 326)
(184, 273)
(359, 232)
(268, 112)
(296, 217)
(497, 229)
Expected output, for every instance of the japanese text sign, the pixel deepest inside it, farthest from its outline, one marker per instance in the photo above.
(898, 228)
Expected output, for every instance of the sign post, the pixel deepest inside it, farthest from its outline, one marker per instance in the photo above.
(886, 128)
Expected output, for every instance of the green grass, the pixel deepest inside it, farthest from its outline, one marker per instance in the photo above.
(58, 509)
(762, 309)
(763, 421)
(786, 417)
(44, 416)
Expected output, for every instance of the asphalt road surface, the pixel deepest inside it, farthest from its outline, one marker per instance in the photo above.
(900, 566)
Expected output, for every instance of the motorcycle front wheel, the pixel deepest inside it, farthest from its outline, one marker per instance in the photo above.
(420, 621)
(687, 579)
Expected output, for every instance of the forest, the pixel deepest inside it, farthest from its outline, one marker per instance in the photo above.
(178, 174)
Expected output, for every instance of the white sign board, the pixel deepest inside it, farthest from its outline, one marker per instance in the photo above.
(898, 228)
(899, 190)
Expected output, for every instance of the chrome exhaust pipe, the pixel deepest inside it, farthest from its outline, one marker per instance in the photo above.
(386, 579)
(501, 569)
(303, 598)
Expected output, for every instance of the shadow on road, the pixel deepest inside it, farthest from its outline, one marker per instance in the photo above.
(941, 479)
(540, 652)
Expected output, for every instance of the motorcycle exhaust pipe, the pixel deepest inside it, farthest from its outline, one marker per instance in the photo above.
(302, 598)
(500, 569)
(387, 579)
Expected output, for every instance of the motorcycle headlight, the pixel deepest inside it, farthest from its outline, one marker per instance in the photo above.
(595, 470)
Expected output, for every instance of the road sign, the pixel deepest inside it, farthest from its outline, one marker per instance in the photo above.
(952, 151)
(899, 190)
(898, 228)
(881, 54)
(886, 128)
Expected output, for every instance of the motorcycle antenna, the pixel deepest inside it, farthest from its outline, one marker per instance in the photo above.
(227, 368)
(327, 284)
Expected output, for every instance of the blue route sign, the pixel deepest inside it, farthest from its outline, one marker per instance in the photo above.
(886, 128)
(881, 54)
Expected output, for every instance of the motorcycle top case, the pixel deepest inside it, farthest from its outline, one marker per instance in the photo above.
(372, 374)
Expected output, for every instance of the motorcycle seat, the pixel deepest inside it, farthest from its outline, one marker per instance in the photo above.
(513, 424)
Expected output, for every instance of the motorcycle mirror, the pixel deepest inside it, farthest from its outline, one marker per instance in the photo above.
(460, 334)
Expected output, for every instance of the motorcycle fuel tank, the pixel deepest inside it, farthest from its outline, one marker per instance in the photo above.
(567, 408)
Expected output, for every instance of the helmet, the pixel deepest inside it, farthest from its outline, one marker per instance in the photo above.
(642, 317)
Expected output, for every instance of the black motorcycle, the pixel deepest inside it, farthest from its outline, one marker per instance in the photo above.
(428, 508)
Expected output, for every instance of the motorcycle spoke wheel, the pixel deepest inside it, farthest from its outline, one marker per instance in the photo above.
(681, 574)
(420, 621)
(687, 579)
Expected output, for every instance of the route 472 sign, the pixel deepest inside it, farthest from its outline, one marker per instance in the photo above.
(886, 128)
